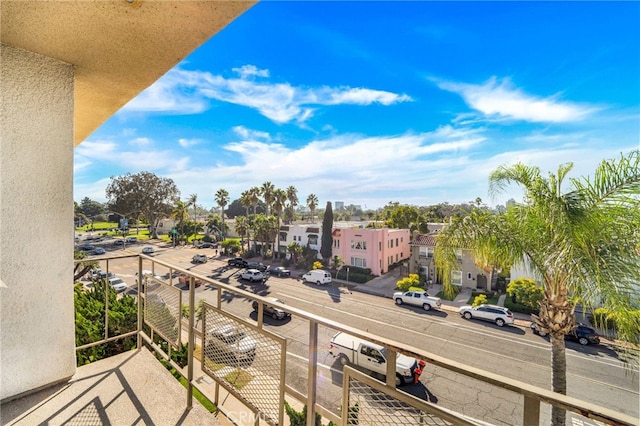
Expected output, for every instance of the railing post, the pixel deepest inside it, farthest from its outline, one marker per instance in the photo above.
(313, 373)
(391, 368)
(107, 288)
(139, 335)
(531, 411)
(191, 342)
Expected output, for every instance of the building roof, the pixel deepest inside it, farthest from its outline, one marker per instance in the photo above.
(424, 240)
(117, 48)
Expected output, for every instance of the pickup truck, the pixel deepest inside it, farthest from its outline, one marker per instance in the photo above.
(418, 298)
(371, 356)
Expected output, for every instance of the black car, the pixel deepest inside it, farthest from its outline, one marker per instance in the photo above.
(257, 265)
(279, 271)
(206, 245)
(582, 334)
(238, 262)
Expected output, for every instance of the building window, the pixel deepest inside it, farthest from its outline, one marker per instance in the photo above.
(336, 244)
(380, 246)
(313, 239)
(396, 257)
(358, 245)
(283, 236)
(396, 242)
(401, 239)
(468, 275)
(459, 254)
(359, 262)
(456, 278)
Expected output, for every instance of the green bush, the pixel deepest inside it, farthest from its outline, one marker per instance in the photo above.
(525, 291)
(413, 280)
(480, 299)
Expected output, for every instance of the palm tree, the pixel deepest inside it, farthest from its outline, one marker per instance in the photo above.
(222, 199)
(192, 200)
(279, 199)
(583, 245)
(245, 200)
(180, 213)
(254, 194)
(292, 198)
(267, 190)
(242, 228)
(312, 202)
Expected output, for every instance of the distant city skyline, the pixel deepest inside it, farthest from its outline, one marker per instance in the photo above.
(378, 102)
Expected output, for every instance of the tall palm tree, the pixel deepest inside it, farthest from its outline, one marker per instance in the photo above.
(255, 197)
(267, 190)
(191, 201)
(222, 199)
(242, 228)
(292, 196)
(245, 200)
(279, 200)
(180, 213)
(583, 244)
(312, 202)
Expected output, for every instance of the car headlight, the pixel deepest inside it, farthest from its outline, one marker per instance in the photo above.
(406, 373)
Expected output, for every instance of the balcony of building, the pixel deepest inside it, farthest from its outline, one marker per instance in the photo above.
(249, 378)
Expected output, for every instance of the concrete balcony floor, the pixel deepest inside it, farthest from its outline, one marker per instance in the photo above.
(132, 388)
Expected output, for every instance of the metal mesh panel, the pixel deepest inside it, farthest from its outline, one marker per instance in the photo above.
(162, 309)
(246, 360)
(369, 406)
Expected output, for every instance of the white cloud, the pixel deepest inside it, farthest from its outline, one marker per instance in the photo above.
(141, 141)
(246, 133)
(189, 92)
(186, 143)
(499, 99)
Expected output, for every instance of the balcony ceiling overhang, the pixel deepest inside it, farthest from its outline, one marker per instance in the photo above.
(117, 47)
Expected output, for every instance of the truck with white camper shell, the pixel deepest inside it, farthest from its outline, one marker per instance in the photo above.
(373, 357)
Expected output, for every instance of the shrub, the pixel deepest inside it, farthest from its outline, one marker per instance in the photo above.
(526, 292)
(413, 280)
(480, 299)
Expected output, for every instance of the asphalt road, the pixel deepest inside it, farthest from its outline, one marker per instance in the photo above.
(594, 373)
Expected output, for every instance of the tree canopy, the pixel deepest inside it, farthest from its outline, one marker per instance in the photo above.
(326, 246)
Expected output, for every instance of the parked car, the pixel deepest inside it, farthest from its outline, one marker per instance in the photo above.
(199, 258)
(132, 240)
(494, 313)
(99, 274)
(275, 313)
(238, 262)
(252, 275)
(417, 298)
(118, 242)
(86, 247)
(118, 284)
(230, 344)
(184, 279)
(98, 251)
(257, 265)
(206, 245)
(279, 271)
(317, 276)
(148, 250)
(582, 334)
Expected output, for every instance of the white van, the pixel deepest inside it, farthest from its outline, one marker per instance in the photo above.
(317, 276)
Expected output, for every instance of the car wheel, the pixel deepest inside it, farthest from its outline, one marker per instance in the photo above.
(467, 315)
(426, 307)
(343, 360)
(274, 316)
(399, 380)
(499, 322)
(583, 341)
(398, 301)
(317, 282)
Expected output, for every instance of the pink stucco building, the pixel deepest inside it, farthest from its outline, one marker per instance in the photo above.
(374, 248)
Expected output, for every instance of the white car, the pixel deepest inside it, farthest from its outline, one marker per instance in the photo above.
(230, 344)
(99, 274)
(252, 275)
(118, 284)
(493, 313)
(148, 250)
(417, 298)
(199, 258)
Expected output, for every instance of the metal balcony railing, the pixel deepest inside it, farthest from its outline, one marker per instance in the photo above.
(253, 364)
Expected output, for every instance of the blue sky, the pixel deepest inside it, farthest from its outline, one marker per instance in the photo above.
(372, 102)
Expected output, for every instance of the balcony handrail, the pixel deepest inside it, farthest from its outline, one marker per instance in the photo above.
(533, 395)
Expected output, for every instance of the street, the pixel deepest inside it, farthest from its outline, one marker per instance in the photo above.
(594, 373)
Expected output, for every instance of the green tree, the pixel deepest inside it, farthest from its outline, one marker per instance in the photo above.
(326, 245)
(295, 250)
(222, 199)
(480, 299)
(583, 243)
(267, 191)
(404, 217)
(143, 193)
(526, 291)
(312, 202)
(180, 213)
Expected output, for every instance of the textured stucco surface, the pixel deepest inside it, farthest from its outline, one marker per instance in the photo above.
(36, 229)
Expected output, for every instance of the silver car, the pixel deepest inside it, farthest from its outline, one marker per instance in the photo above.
(494, 313)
